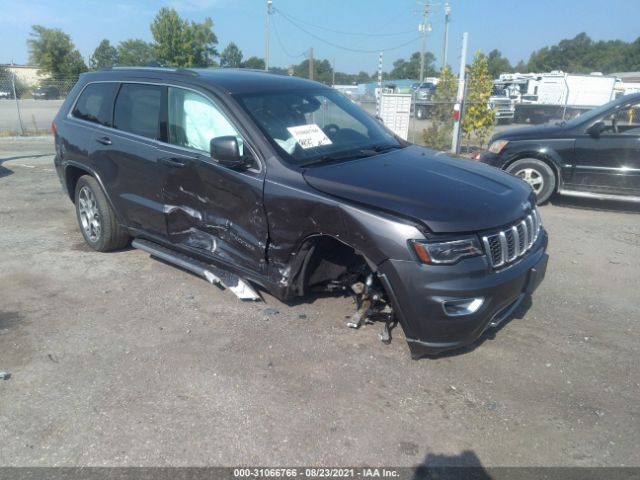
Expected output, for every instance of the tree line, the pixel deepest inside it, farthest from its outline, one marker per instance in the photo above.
(580, 54)
(183, 43)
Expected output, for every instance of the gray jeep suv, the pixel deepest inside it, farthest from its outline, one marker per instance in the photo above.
(256, 180)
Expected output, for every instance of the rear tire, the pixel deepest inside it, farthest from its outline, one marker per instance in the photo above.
(536, 173)
(96, 219)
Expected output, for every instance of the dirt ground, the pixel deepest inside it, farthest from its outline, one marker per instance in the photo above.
(118, 359)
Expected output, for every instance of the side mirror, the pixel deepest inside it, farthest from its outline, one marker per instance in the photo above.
(596, 129)
(226, 151)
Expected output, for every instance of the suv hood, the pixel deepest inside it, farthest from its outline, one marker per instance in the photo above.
(447, 195)
(540, 132)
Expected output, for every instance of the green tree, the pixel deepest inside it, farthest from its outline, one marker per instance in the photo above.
(438, 134)
(520, 67)
(135, 53)
(231, 56)
(280, 70)
(322, 70)
(498, 64)
(403, 69)
(362, 77)
(253, 62)
(479, 118)
(582, 55)
(168, 32)
(54, 53)
(181, 43)
(201, 44)
(105, 55)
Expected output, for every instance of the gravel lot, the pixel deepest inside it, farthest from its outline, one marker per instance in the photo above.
(118, 359)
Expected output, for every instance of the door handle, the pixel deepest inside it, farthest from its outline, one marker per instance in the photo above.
(172, 162)
(104, 140)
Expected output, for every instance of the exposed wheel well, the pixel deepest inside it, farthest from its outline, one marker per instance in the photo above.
(72, 174)
(325, 260)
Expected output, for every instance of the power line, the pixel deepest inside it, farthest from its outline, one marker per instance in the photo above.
(280, 42)
(342, 32)
(341, 47)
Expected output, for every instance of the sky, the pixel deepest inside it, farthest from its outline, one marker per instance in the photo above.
(391, 26)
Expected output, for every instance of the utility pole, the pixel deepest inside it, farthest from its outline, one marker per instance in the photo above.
(424, 28)
(457, 108)
(267, 33)
(445, 48)
(311, 69)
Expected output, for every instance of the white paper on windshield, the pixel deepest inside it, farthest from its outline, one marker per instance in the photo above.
(309, 136)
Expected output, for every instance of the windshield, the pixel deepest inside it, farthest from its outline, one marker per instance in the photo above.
(309, 125)
(596, 113)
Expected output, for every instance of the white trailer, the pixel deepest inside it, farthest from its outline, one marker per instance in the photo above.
(559, 95)
(631, 87)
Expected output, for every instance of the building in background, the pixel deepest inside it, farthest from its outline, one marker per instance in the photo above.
(27, 74)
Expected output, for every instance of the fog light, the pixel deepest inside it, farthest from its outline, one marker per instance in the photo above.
(459, 308)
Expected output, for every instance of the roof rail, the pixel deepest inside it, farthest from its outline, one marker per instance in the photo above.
(184, 71)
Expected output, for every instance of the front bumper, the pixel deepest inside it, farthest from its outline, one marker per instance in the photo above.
(493, 159)
(418, 293)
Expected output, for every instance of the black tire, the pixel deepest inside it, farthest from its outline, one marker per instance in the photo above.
(98, 223)
(538, 174)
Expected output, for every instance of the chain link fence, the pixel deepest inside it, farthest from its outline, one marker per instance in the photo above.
(29, 108)
(431, 118)
(548, 99)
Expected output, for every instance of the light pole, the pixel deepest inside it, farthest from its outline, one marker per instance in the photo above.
(445, 48)
(266, 34)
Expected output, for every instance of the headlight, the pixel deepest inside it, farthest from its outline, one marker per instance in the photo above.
(497, 146)
(446, 252)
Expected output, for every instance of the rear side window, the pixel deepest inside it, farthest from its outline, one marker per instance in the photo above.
(96, 103)
(137, 109)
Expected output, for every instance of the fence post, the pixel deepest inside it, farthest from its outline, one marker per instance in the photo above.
(566, 98)
(15, 96)
(455, 136)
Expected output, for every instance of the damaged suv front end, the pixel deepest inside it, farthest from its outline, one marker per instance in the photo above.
(449, 247)
(448, 302)
(254, 179)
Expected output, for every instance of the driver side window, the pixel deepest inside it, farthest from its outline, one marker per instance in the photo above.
(194, 121)
(627, 120)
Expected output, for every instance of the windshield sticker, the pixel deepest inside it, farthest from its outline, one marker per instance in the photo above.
(309, 136)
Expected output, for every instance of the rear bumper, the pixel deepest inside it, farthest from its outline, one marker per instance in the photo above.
(418, 293)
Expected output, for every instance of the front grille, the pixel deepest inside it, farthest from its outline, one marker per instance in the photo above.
(506, 246)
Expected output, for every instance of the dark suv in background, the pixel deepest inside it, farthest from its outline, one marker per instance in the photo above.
(595, 155)
(256, 179)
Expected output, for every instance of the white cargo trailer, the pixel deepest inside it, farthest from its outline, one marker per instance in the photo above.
(559, 95)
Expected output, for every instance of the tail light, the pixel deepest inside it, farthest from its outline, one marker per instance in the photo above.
(54, 128)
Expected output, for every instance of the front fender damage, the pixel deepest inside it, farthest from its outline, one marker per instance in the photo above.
(334, 247)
